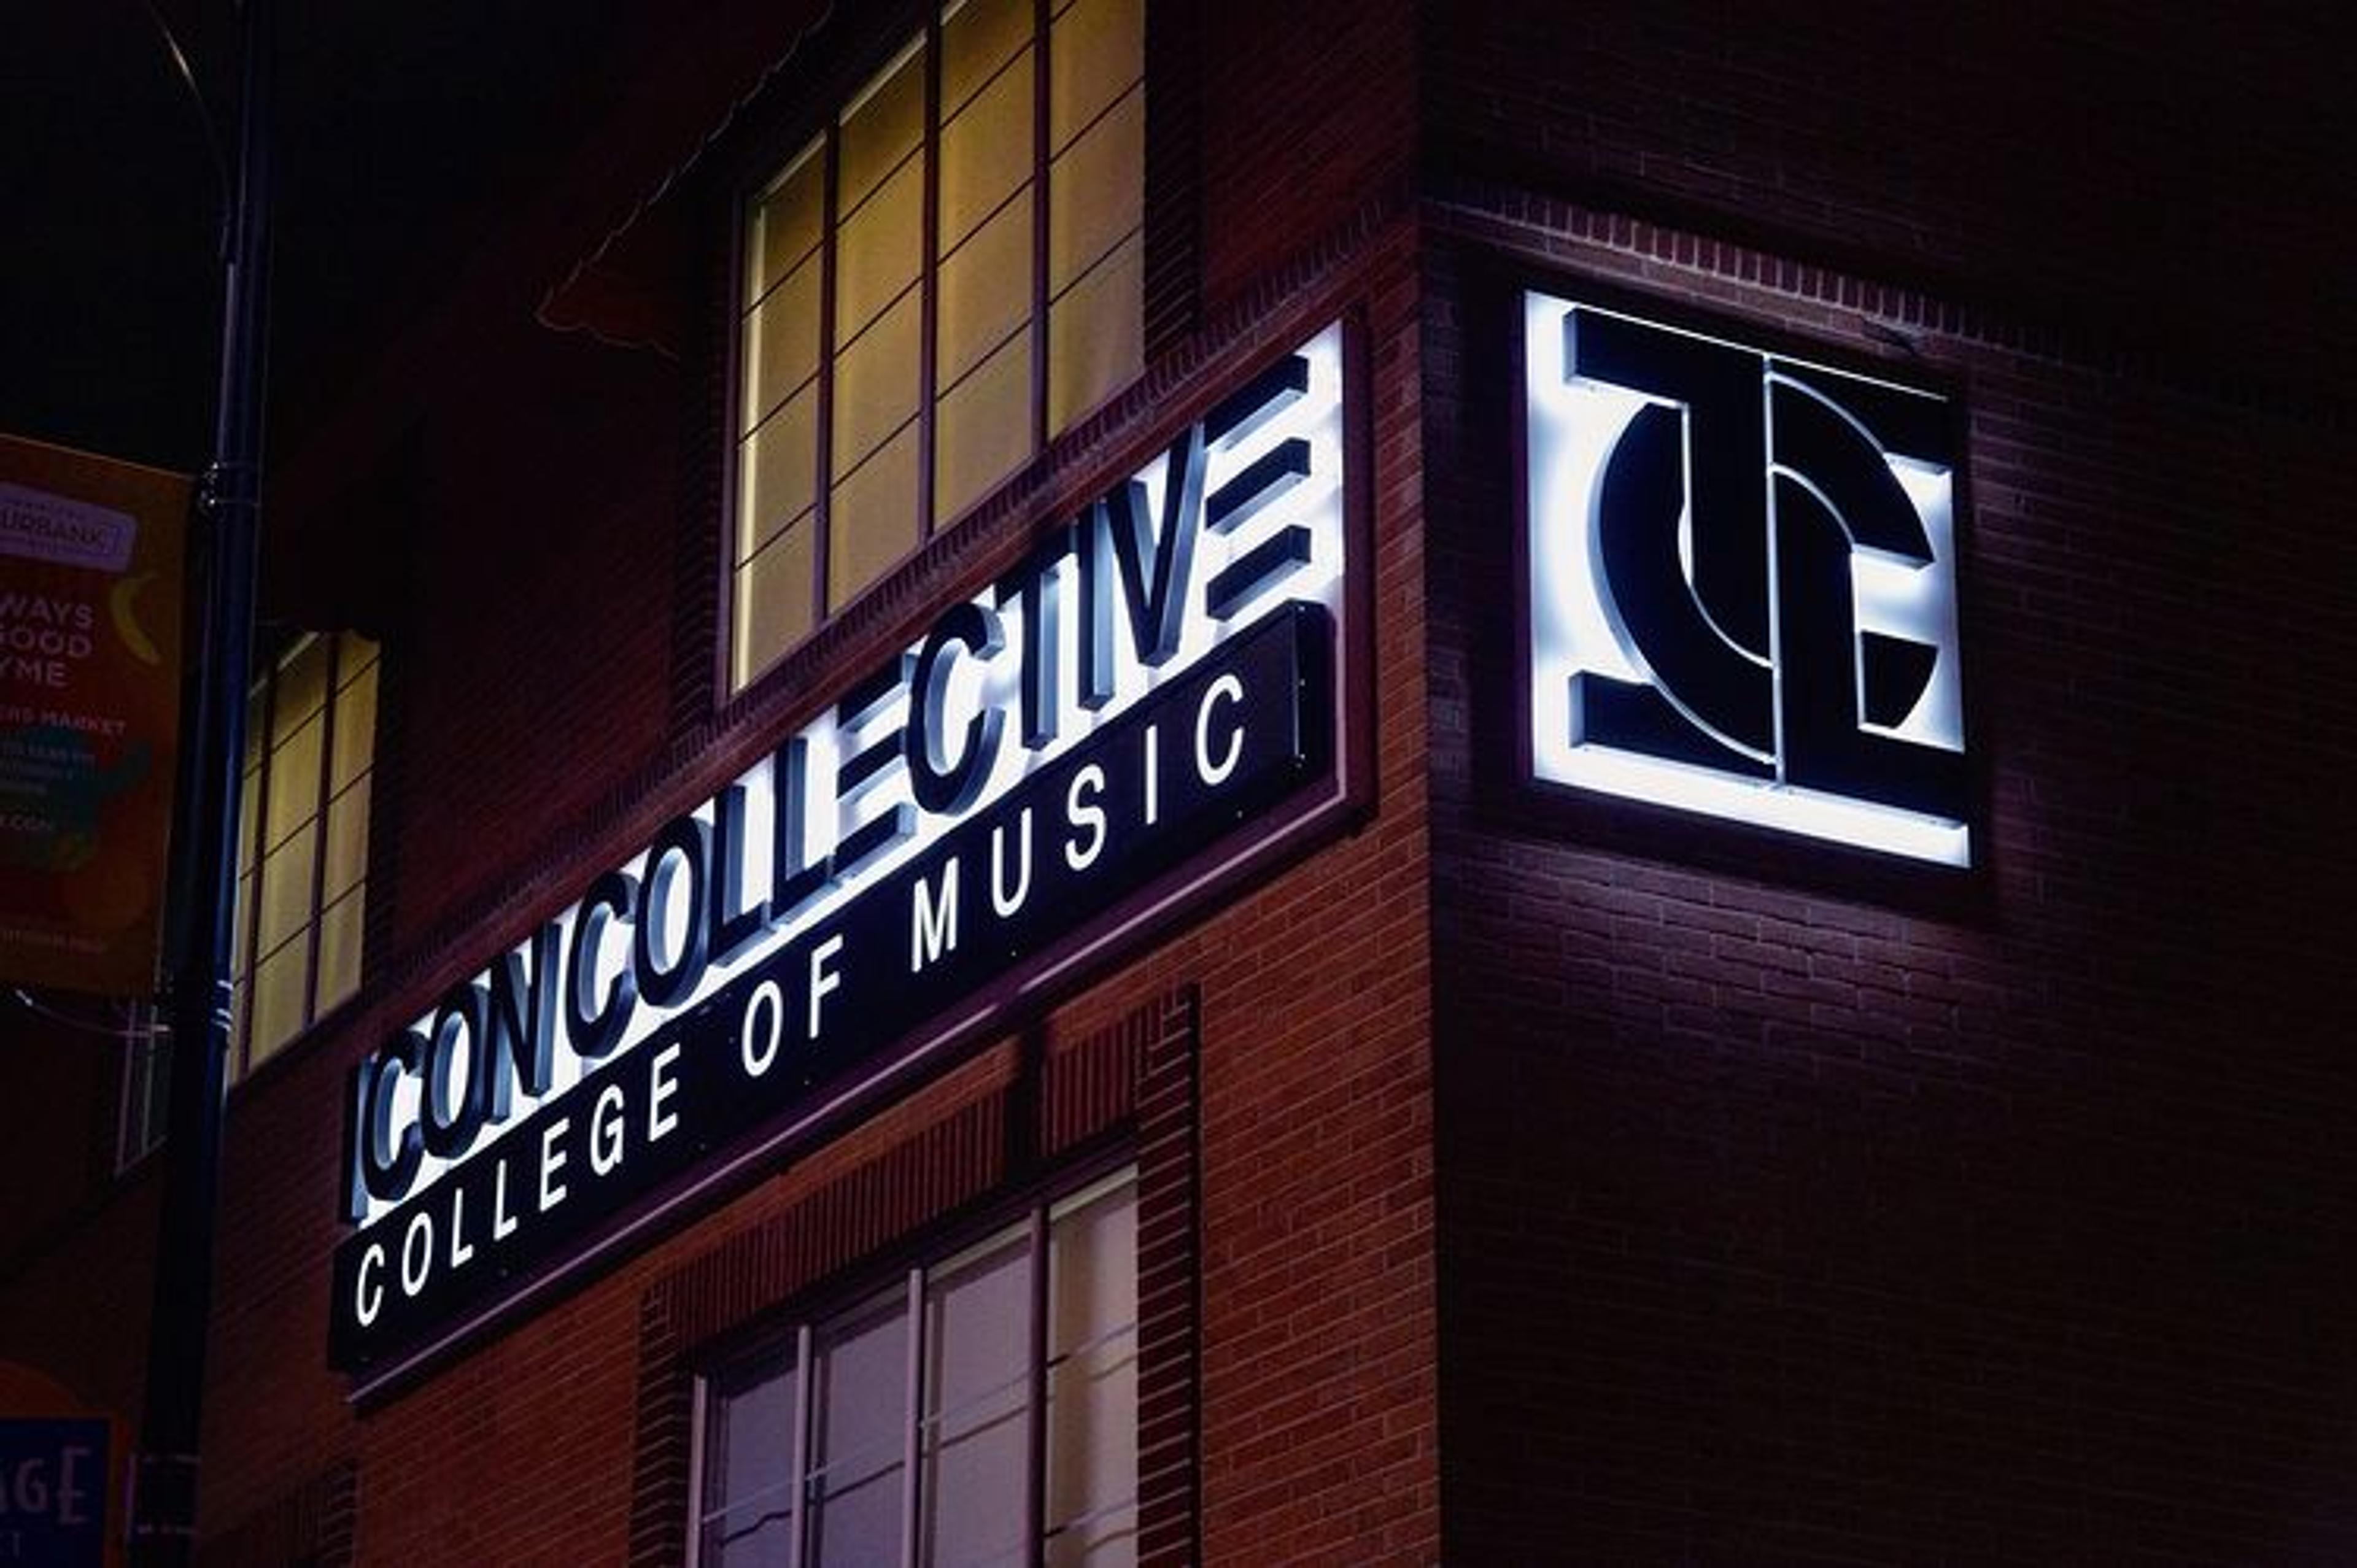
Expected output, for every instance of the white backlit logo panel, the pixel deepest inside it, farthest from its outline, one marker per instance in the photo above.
(1742, 584)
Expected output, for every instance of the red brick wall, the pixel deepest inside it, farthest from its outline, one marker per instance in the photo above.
(529, 647)
(1307, 109)
(1316, 1207)
(1707, 1207)
(2160, 177)
(531, 607)
(1314, 1420)
(1789, 1218)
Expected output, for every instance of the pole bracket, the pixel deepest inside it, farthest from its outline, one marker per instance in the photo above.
(163, 1501)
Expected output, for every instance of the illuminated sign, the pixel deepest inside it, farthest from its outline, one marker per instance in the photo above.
(1742, 584)
(1063, 750)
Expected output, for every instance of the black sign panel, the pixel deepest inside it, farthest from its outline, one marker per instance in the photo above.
(1236, 735)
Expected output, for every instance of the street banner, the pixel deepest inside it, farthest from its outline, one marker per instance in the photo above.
(91, 569)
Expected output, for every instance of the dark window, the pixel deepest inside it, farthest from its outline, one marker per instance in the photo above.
(980, 1408)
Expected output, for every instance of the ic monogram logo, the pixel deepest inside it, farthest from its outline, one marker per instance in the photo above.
(1743, 582)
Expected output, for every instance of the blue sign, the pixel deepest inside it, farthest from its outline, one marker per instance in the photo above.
(53, 1474)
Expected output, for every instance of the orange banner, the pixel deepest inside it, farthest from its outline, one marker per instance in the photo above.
(90, 567)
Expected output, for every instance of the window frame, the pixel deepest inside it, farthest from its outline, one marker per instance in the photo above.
(143, 1109)
(843, 87)
(903, 1280)
(350, 658)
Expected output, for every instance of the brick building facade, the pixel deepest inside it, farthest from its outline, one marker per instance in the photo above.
(1520, 1173)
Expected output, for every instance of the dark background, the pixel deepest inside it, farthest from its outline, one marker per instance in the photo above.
(393, 123)
(401, 128)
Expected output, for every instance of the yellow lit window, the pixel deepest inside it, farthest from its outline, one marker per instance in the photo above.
(302, 880)
(945, 277)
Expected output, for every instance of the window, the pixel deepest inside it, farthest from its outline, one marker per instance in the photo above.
(302, 877)
(980, 1410)
(947, 276)
(147, 1083)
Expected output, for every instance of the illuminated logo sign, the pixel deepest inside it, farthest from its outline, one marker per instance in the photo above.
(1056, 759)
(1742, 584)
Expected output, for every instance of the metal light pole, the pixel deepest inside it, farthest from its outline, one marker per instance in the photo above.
(165, 1467)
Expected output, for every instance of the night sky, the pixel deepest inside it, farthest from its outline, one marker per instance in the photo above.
(389, 131)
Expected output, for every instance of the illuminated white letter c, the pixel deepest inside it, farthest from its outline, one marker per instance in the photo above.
(1212, 772)
(368, 1299)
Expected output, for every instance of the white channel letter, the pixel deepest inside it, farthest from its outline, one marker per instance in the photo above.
(933, 924)
(368, 1300)
(764, 1012)
(822, 979)
(606, 1130)
(1226, 686)
(1090, 779)
(552, 1160)
(1153, 774)
(460, 1247)
(421, 1228)
(660, 1087)
(503, 1223)
(1002, 902)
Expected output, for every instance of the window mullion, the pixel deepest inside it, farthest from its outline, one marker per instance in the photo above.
(315, 911)
(823, 460)
(699, 1456)
(1042, 16)
(913, 1429)
(1034, 1490)
(798, 1538)
(928, 272)
(249, 971)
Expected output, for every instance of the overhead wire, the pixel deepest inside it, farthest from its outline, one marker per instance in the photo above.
(127, 1027)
